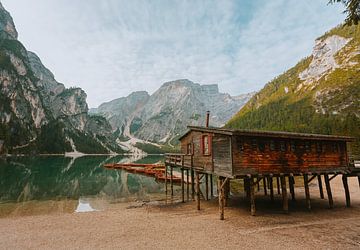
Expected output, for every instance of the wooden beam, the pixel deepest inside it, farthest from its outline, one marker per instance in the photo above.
(211, 186)
(346, 188)
(284, 194)
(264, 184)
(206, 187)
(278, 184)
(332, 177)
(221, 197)
(291, 187)
(197, 190)
(252, 197)
(166, 186)
(307, 192)
(182, 185)
(320, 187)
(258, 183)
(171, 181)
(246, 187)
(359, 180)
(192, 184)
(270, 181)
(312, 178)
(328, 190)
(187, 184)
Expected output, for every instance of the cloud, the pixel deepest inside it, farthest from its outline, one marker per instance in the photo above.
(111, 48)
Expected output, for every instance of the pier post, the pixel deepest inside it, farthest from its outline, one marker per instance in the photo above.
(346, 188)
(182, 185)
(197, 190)
(278, 184)
(192, 184)
(320, 187)
(187, 184)
(171, 181)
(328, 190)
(211, 186)
(166, 186)
(307, 192)
(252, 197)
(271, 188)
(258, 183)
(221, 197)
(284, 194)
(264, 182)
(291, 186)
(206, 187)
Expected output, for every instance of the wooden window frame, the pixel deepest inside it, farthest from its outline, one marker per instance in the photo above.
(209, 139)
(191, 151)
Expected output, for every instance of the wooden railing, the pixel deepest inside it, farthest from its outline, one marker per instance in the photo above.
(181, 160)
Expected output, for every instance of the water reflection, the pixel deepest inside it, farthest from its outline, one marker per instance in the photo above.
(83, 180)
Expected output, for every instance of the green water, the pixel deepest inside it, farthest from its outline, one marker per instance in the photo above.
(66, 183)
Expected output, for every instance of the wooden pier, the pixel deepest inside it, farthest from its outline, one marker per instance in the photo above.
(260, 157)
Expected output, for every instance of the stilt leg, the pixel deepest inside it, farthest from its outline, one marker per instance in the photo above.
(182, 185)
(258, 184)
(192, 184)
(284, 194)
(346, 188)
(246, 187)
(211, 186)
(206, 187)
(307, 192)
(221, 197)
(291, 186)
(166, 186)
(270, 181)
(265, 189)
(328, 190)
(171, 181)
(197, 191)
(252, 197)
(320, 187)
(278, 184)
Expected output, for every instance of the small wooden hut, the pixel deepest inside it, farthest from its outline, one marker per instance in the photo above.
(256, 156)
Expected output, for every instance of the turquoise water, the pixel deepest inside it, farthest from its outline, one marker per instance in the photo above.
(69, 184)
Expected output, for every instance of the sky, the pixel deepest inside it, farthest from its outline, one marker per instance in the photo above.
(111, 48)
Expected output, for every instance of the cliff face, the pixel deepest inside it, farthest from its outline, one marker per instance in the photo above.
(35, 106)
(164, 115)
(321, 94)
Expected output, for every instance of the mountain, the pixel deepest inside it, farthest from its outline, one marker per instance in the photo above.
(37, 113)
(321, 94)
(164, 115)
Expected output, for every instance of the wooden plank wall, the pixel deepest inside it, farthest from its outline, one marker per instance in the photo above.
(253, 155)
(221, 149)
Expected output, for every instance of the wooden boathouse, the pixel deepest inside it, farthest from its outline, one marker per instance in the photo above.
(259, 156)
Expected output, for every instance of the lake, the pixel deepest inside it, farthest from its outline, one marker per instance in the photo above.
(52, 184)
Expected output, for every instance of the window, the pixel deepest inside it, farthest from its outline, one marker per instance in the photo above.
(206, 145)
(307, 146)
(254, 144)
(262, 146)
(189, 149)
(282, 146)
(318, 147)
(272, 145)
(335, 147)
(293, 146)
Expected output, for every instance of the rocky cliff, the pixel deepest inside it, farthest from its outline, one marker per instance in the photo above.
(321, 94)
(37, 113)
(164, 115)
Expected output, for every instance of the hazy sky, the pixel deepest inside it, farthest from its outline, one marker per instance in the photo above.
(111, 47)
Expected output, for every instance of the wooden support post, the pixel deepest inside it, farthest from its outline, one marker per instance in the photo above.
(187, 184)
(192, 184)
(246, 187)
(171, 181)
(291, 186)
(182, 185)
(206, 187)
(252, 197)
(328, 190)
(270, 181)
(197, 191)
(264, 182)
(359, 180)
(211, 186)
(346, 188)
(258, 183)
(307, 192)
(284, 194)
(166, 186)
(221, 197)
(278, 184)
(320, 187)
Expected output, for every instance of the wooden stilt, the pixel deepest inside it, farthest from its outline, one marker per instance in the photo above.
(359, 180)
(264, 182)
(197, 191)
(328, 190)
(270, 181)
(187, 184)
(171, 181)
(211, 186)
(278, 184)
(166, 186)
(192, 184)
(320, 187)
(252, 197)
(307, 192)
(258, 184)
(284, 194)
(182, 185)
(346, 188)
(206, 187)
(246, 187)
(221, 197)
(291, 186)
